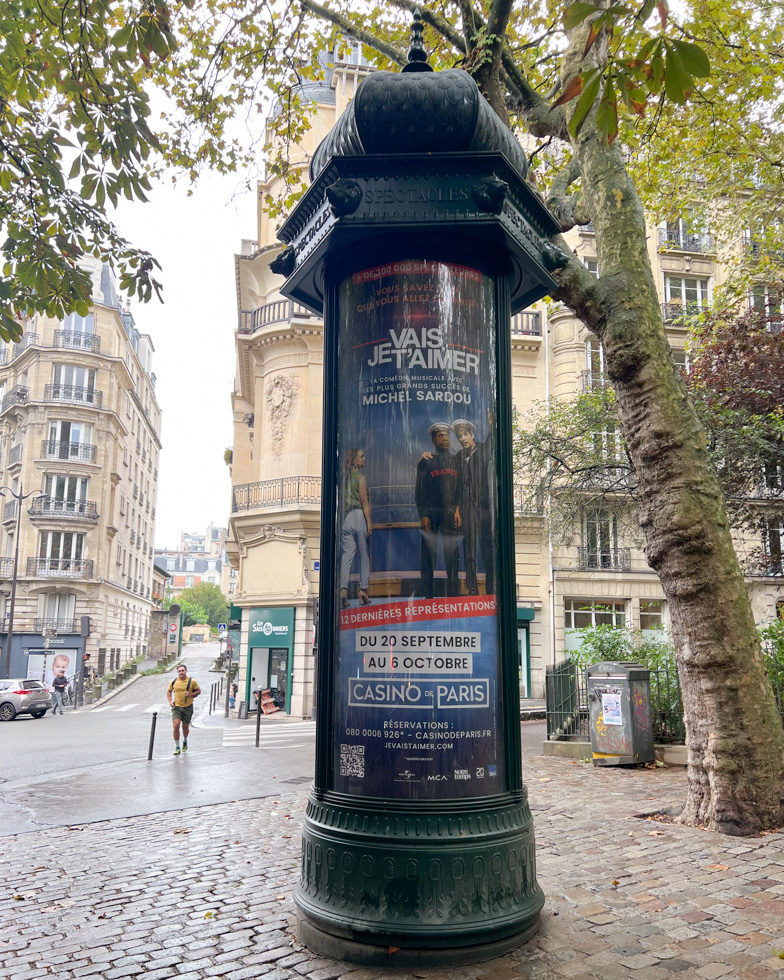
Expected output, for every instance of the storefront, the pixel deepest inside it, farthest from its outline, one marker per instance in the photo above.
(270, 654)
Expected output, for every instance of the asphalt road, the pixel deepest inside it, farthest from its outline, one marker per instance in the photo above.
(91, 764)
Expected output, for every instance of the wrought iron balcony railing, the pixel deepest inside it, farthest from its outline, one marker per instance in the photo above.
(685, 241)
(60, 567)
(18, 396)
(62, 507)
(28, 340)
(677, 313)
(61, 625)
(594, 381)
(605, 559)
(9, 511)
(526, 502)
(6, 567)
(73, 394)
(527, 324)
(57, 449)
(279, 311)
(15, 456)
(277, 493)
(770, 565)
(75, 340)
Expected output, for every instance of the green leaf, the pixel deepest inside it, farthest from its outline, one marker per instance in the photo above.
(607, 113)
(585, 102)
(576, 13)
(678, 83)
(694, 58)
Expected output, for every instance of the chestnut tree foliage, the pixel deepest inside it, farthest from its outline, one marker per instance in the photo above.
(627, 107)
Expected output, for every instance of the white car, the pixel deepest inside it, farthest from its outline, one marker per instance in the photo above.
(23, 697)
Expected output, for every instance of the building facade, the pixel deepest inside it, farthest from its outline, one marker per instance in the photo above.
(200, 558)
(596, 574)
(80, 428)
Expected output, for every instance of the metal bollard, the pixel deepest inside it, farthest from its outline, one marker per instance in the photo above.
(152, 735)
(258, 718)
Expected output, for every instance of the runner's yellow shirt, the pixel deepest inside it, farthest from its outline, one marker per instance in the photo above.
(182, 697)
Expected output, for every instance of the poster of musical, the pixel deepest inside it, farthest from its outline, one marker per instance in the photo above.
(417, 646)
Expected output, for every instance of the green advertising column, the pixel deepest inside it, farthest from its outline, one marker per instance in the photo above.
(416, 240)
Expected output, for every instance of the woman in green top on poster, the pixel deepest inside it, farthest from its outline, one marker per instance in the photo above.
(357, 526)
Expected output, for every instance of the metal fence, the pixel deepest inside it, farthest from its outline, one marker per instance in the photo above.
(566, 693)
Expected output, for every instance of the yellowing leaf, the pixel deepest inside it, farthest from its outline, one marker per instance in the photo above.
(572, 90)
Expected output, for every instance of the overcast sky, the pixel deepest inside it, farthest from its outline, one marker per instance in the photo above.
(195, 239)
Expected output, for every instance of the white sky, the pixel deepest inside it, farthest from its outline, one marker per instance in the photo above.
(195, 239)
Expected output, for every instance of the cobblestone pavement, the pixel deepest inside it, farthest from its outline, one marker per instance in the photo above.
(207, 892)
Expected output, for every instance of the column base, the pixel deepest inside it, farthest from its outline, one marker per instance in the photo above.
(445, 880)
(367, 954)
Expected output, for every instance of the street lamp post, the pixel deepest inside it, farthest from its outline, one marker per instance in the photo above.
(19, 496)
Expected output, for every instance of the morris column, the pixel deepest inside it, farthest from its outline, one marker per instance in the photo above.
(416, 241)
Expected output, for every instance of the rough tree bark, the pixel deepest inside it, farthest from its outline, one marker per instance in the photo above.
(733, 732)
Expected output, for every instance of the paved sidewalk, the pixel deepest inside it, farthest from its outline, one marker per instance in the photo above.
(207, 892)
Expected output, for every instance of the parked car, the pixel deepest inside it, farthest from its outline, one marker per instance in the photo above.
(23, 697)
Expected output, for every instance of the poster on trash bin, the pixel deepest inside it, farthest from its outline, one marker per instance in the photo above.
(611, 707)
(417, 679)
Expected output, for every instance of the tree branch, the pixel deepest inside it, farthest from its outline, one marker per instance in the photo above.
(569, 209)
(358, 33)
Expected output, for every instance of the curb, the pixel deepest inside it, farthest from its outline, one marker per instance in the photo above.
(123, 687)
(670, 755)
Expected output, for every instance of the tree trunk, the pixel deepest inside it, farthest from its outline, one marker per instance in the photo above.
(733, 732)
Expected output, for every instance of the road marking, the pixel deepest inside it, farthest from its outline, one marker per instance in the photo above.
(106, 707)
(128, 707)
(155, 707)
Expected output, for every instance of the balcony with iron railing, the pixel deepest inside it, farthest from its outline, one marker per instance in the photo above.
(604, 559)
(678, 314)
(9, 511)
(278, 311)
(757, 247)
(28, 340)
(680, 241)
(769, 565)
(58, 449)
(527, 325)
(285, 492)
(61, 507)
(61, 625)
(526, 502)
(17, 396)
(73, 395)
(74, 340)
(594, 381)
(130, 582)
(15, 455)
(60, 567)
(6, 567)
(133, 536)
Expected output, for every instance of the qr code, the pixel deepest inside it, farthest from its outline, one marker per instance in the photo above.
(352, 760)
